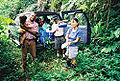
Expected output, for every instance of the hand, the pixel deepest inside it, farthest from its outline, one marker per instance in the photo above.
(67, 40)
(69, 43)
(20, 31)
(57, 29)
(31, 26)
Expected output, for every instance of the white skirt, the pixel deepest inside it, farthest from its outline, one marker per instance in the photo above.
(72, 52)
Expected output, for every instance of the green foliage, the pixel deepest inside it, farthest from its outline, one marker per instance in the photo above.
(13, 7)
(98, 66)
(8, 65)
(4, 21)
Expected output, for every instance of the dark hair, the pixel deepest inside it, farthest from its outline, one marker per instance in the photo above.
(76, 20)
(22, 19)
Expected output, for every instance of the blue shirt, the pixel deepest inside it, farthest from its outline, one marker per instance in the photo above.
(74, 35)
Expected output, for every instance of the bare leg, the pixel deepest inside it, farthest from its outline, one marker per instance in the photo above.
(57, 53)
(73, 64)
(68, 62)
(68, 59)
(73, 61)
(23, 38)
(63, 53)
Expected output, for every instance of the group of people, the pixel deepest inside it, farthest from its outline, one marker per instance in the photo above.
(30, 28)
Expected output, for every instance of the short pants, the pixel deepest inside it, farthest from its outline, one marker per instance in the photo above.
(59, 41)
(72, 51)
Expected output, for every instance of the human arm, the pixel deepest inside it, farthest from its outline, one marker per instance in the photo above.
(28, 26)
(67, 40)
(62, 21)
(54, 28)
(55, 31)
(75, 41)
(33, 31)
(67, 35)
(76, 37)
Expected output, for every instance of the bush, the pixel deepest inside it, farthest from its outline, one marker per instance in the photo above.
(8, 64)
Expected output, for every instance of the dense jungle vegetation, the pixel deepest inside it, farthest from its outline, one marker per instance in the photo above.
(98, 61)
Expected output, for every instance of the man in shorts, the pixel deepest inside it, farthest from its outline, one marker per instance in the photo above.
(59, 35)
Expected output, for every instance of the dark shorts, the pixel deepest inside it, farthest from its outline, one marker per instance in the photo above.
(59, 41)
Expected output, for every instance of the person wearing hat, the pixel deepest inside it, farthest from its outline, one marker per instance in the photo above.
(29, 43)
(59, 35)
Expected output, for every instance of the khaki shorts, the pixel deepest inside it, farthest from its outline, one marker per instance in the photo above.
(71, 52)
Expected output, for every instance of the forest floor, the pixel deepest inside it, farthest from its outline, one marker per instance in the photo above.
(45, 62)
